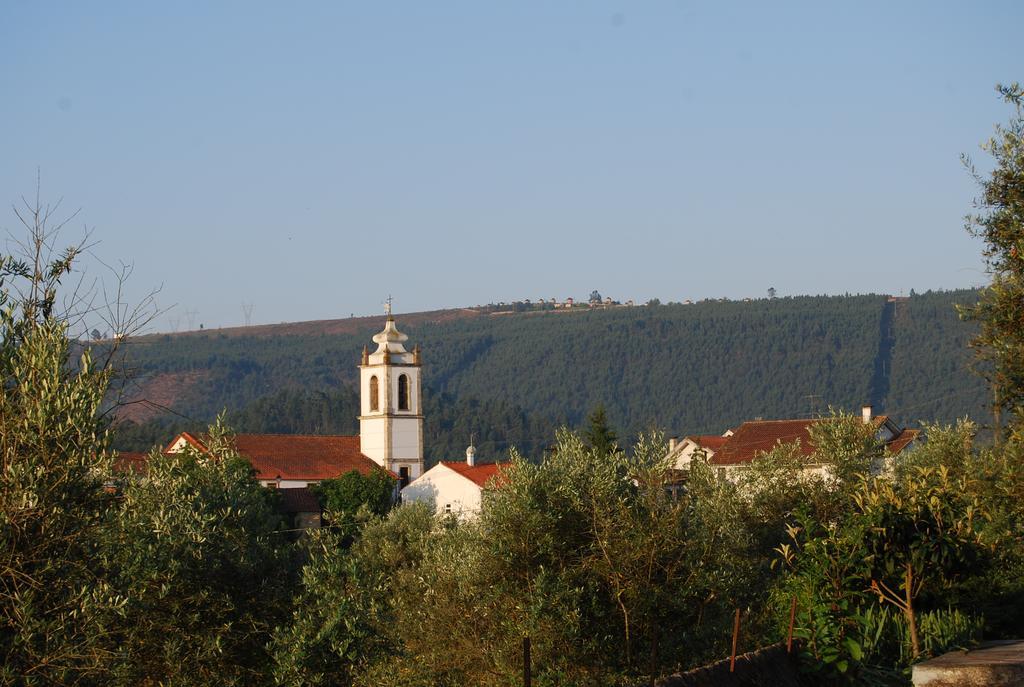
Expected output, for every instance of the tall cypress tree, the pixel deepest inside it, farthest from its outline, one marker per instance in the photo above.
(599, 435)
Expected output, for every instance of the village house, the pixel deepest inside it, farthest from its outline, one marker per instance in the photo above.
(737, 448)
(683, 449)
(455, 487)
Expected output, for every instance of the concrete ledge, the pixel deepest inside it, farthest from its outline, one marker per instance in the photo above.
(995, 664)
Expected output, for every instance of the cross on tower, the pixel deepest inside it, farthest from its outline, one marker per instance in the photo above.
(387, 306)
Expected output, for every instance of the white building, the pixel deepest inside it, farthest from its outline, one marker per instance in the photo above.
(455, 487)
(682, 452)
(391, 404)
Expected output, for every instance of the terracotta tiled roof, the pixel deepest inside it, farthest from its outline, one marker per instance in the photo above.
(303, 456)
(299, 500)
(130, 461)
(297, 456)
(761, 436)
(478, 474)
(902, 440)
(711, 441)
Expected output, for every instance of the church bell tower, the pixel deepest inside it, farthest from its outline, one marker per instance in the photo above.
(391, 411)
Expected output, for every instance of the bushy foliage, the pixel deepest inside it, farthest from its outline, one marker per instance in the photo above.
(586, 550)
(342, 626)
(53, 456)
(1000, 222)
(194, 545)
(354, 496)
(913, 543)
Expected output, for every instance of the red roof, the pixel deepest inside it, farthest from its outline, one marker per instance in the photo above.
(298, 456)
(754, 438)
(761, 436)
(303, 456)
(130, 461)
(902, 440)
(478, 474)
(711, 441)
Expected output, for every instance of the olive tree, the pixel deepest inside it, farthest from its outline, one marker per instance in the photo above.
(999, 221)
(197, 549)
(53, 460)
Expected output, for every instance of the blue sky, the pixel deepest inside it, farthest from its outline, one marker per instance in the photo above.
(311, 158)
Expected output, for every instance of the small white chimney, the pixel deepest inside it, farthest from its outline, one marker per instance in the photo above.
(672, 443)
(471, 455)
(865, 414)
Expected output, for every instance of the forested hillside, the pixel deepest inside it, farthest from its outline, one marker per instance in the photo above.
(511, 378)
(932, 363)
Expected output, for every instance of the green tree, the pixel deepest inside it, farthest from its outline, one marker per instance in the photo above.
(195, 547)
(588, 555)
(343, 620)
(919, 533)
(848, 446)
(1000, 223)
(355, 495)
(906, 543)
(53, 457)
(599, 436)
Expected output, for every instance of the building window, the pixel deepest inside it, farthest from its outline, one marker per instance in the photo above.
(403, 392)
(447, 508)
(374, 394)
(403, 475)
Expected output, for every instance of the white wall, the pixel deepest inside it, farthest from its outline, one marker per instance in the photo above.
(288, 483)
(443, 487)
(392, 437)
(179, 445)
(684, 454)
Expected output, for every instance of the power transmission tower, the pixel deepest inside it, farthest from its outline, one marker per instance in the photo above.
(191, 315)
(247, 311)
(814, 402)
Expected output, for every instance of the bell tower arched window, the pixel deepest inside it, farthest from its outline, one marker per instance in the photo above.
(374, 394)
(403, 392)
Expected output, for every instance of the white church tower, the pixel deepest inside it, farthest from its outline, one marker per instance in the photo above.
(391, 412)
